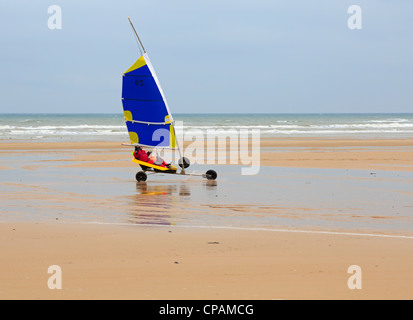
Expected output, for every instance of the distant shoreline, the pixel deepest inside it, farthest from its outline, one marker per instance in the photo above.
(111, 127)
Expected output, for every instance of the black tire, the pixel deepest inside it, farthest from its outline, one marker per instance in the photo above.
(184, 162)
(211, 175)
(141, 176)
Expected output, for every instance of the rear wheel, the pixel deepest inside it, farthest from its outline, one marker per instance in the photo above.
(184, 162)
(211, 175)
(141, 176)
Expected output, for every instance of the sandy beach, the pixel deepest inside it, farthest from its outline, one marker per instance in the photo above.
(328, 204)
(129, 262)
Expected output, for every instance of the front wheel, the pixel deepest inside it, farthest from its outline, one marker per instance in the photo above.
(141, 176)
(211, 175)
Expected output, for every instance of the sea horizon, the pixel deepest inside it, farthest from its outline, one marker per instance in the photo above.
(111, 126)
(213, 113)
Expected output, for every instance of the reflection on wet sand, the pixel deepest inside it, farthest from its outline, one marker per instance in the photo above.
(211, 184)
(184, 190)
(157, 204)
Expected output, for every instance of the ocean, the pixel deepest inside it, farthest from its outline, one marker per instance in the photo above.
(111, 127)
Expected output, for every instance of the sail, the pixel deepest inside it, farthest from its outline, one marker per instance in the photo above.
(147, 114)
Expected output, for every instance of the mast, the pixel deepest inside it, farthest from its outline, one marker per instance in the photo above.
(137, 35)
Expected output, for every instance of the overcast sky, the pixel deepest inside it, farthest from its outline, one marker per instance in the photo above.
(263, 56)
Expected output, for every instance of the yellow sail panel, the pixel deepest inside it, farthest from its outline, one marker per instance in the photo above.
(172, 136)
(134, 139)
(138, 64)
(128, 116)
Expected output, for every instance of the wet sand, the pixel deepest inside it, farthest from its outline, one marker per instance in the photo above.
(369, 154)
(77, 205)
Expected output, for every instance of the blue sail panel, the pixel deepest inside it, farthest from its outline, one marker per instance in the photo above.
(140, 88)
(146, 111)
(149, 135)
